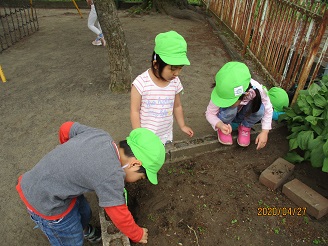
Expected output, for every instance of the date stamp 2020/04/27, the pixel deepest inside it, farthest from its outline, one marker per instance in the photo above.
(281, 211)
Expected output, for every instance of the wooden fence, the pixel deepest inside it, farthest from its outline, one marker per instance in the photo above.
(287, 38)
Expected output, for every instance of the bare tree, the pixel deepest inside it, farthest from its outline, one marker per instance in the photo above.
(120, 75)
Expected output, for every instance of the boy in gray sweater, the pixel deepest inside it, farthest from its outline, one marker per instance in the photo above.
(89, 160)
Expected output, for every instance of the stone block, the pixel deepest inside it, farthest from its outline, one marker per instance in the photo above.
(276, 174)
(111, 236)
(303, 196)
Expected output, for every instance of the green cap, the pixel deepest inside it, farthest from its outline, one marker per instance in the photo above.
(232, 80)
(172, 48)
(279, 98)
(149, 149)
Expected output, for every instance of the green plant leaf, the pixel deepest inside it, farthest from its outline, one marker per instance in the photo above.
(325, 113)
(293, 144)
(304, 92)
(307, 155)
(316, 111)
(293, 157)
(311, 119)
(298, 119)
(303, 105)
(296, 109)
(303, 139)
(325, 165)
(325, 149)
(324, 133)
(293, 135)
(282, 117)
(313, 89)
(290, 113)
(297, 129)
(310, 100)
(319, 101)
(318, 128)
(324, 79)
(316, 143)
(317, 157)
(307, 122)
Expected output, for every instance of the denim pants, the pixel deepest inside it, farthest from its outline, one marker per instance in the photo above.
(67, 231)
(232, 115)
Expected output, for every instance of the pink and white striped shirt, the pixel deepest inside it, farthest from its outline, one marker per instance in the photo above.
(157, 103)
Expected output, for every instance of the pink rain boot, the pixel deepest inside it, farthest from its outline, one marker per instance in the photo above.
(225, 139)
(244, 136)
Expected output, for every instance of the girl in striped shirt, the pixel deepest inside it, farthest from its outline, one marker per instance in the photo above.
(155, 94)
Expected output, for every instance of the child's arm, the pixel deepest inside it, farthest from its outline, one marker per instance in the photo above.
(123, 220)
(211, 116)
(266, 121)
(71, 129)
(178, 114)
(262, 139)
(64, 130)
(135, 108)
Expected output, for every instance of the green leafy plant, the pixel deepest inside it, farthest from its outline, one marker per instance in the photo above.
(151, 217)
(307, 119)
(201, 229)
(276, 230)
(316, 241)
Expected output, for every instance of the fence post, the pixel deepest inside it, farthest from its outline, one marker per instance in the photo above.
(314, 46)
(249, 28)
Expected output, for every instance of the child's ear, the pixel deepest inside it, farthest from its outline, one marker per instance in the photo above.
(155, 65)
(135, 162)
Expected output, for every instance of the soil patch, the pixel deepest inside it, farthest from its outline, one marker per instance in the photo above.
(216, 199)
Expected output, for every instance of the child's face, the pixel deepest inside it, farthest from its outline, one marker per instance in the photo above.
(236, 104)
(132, 175)
(170, 72)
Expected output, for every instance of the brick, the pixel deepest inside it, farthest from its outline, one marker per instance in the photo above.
(276, 174)
(305, 197)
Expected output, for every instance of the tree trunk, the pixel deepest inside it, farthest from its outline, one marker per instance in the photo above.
(120, 72)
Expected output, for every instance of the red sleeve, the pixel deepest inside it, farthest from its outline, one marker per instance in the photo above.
(123, 220)
(64, 131)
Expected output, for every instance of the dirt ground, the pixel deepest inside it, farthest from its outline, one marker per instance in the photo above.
(56, 75)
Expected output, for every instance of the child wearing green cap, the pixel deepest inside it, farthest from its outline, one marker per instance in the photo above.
(279, 100)
(155, 94)
(89, 160)
(237, 98)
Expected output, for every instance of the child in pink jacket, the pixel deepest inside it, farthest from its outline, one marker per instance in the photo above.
(237, 98)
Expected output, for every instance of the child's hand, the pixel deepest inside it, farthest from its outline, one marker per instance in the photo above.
(144, 238)
(225, 128)
(187, 130)
(262, 139)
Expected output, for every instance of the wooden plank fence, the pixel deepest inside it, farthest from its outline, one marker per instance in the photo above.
(288, 38)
